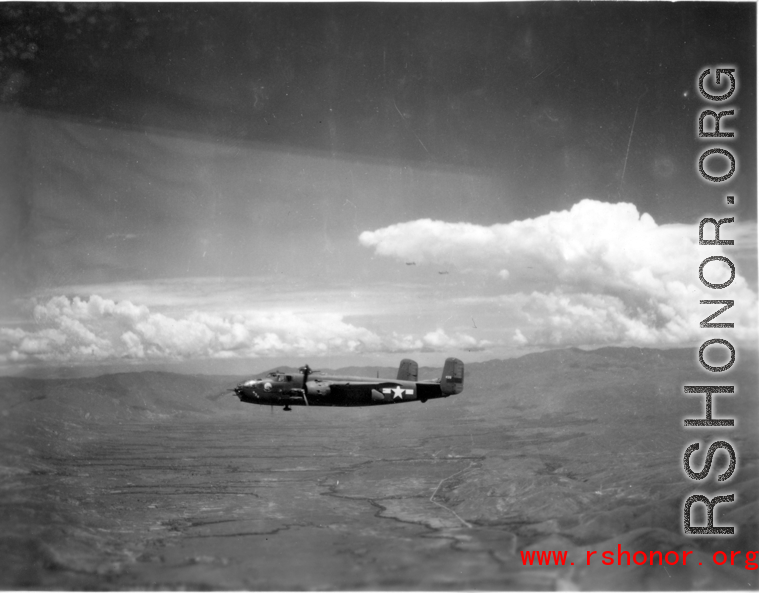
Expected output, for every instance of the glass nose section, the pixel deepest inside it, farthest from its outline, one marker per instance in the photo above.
(247, 388)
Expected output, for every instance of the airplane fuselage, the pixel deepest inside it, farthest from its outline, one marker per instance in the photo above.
(283, 389)
(306, 388)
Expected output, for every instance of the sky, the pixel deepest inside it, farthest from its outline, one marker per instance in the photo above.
(224, 188)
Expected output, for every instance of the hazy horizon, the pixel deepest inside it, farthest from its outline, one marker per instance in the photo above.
(256, 367)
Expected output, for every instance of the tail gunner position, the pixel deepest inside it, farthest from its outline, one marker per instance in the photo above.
(311, 388)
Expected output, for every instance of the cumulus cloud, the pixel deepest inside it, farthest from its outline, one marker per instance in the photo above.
(96, 329)
(598, 273)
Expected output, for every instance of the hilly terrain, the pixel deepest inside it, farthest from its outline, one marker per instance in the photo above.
(156, 480)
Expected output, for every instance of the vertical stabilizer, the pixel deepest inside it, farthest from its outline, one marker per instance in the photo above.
(408, 371)
(452, 380)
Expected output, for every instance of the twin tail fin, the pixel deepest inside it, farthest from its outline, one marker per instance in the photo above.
(408, 370)
(452, 379)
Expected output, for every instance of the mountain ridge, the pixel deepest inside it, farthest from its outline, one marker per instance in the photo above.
(64, 373)
(558, 381)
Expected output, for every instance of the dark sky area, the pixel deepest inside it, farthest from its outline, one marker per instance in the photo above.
(193, 181)
(542, 94)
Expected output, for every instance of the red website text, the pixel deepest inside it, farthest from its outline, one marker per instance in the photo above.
(622, 557)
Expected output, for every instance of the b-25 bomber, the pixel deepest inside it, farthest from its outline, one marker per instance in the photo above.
(313, 388)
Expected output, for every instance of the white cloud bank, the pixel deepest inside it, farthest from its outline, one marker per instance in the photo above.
(598, 273)
(97, 329)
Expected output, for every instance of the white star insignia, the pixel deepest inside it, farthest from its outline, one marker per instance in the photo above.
(397, 392)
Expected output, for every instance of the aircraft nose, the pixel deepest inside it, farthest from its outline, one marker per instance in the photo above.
(241, 389)
(246, 389)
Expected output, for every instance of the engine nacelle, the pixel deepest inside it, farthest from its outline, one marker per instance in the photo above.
(317, 388)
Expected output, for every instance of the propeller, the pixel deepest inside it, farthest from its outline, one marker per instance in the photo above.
(219, 394)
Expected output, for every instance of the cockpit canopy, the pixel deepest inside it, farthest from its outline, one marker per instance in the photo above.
(281, 377)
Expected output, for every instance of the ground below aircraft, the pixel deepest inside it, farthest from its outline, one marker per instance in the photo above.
(312, 388)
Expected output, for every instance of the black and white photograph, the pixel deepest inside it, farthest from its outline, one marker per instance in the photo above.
(380, 296)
